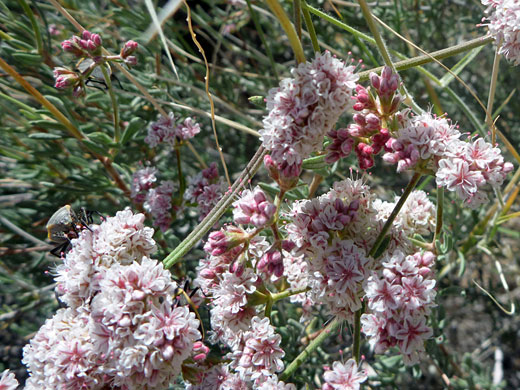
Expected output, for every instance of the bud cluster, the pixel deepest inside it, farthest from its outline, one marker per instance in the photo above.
(165, 130)
(88, 46)
(375, 108)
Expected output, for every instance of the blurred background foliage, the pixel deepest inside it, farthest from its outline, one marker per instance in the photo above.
(42, 166)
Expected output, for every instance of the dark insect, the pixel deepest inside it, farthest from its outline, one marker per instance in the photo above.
(96, 76)
(64, 225)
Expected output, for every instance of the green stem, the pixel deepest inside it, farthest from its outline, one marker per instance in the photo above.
(438, 220)
(287, 293)
(269, 305)
(115, 108)
(182, 180)
(261, 34)
(491, 96)
(409, 188)
(375, 32)
(331, 327)
(405, 64)
(220, 208)
(34, 24)
(297, 11)
(356, 348)
(288, 28)
(310, 28)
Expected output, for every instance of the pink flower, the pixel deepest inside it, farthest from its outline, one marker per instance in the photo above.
(162, 131)
(65, 78)
(503, 16)
(142, 181)
(262, 354)
(128, 49)
(253, 208)
(304, 108)
(344, 376)
(456, 175)
(188, 129)
(225, 239)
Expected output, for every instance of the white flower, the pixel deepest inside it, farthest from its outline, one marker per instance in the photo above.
(344, 376)
(303, 109)
(504, 17)
(8, 381)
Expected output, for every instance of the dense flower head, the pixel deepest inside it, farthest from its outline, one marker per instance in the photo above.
(124, 328)
(119, 239)
(417, 216)
(230, 315)
(138, 325)
(399, 299)
(503, 17)
(217, 377)
(429, 142)
(344, 376)
(165, 130)
(304, 108)
(260, 355)
(253, 208)
(375, 106)
(8, 381)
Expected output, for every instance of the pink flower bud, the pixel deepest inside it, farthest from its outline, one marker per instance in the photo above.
(288, 245)
(96, 39)
(131, 61)
(221, 241)
(86, 35)
(375, 80)
(360, 119)
(372, 121)
(129, 48)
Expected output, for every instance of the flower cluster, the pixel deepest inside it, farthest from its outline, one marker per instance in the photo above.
(165, 130)
(123, 327)
(427, 142)
(503, 17)
(304, 108)
(205, 189)
(344, 376)
(87, 48)
(88, 45)
(368, 135)
(333, 234)
(400, 298)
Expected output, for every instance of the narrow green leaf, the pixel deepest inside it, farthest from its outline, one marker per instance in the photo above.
(93, 146)
(133, 127)
(47, 136)
(28, 59)
(459, 66)
(101, 138)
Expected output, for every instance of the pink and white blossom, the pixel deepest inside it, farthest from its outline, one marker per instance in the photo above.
(304, 108)
(8, 381)
(503, 17)
(344, 376)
